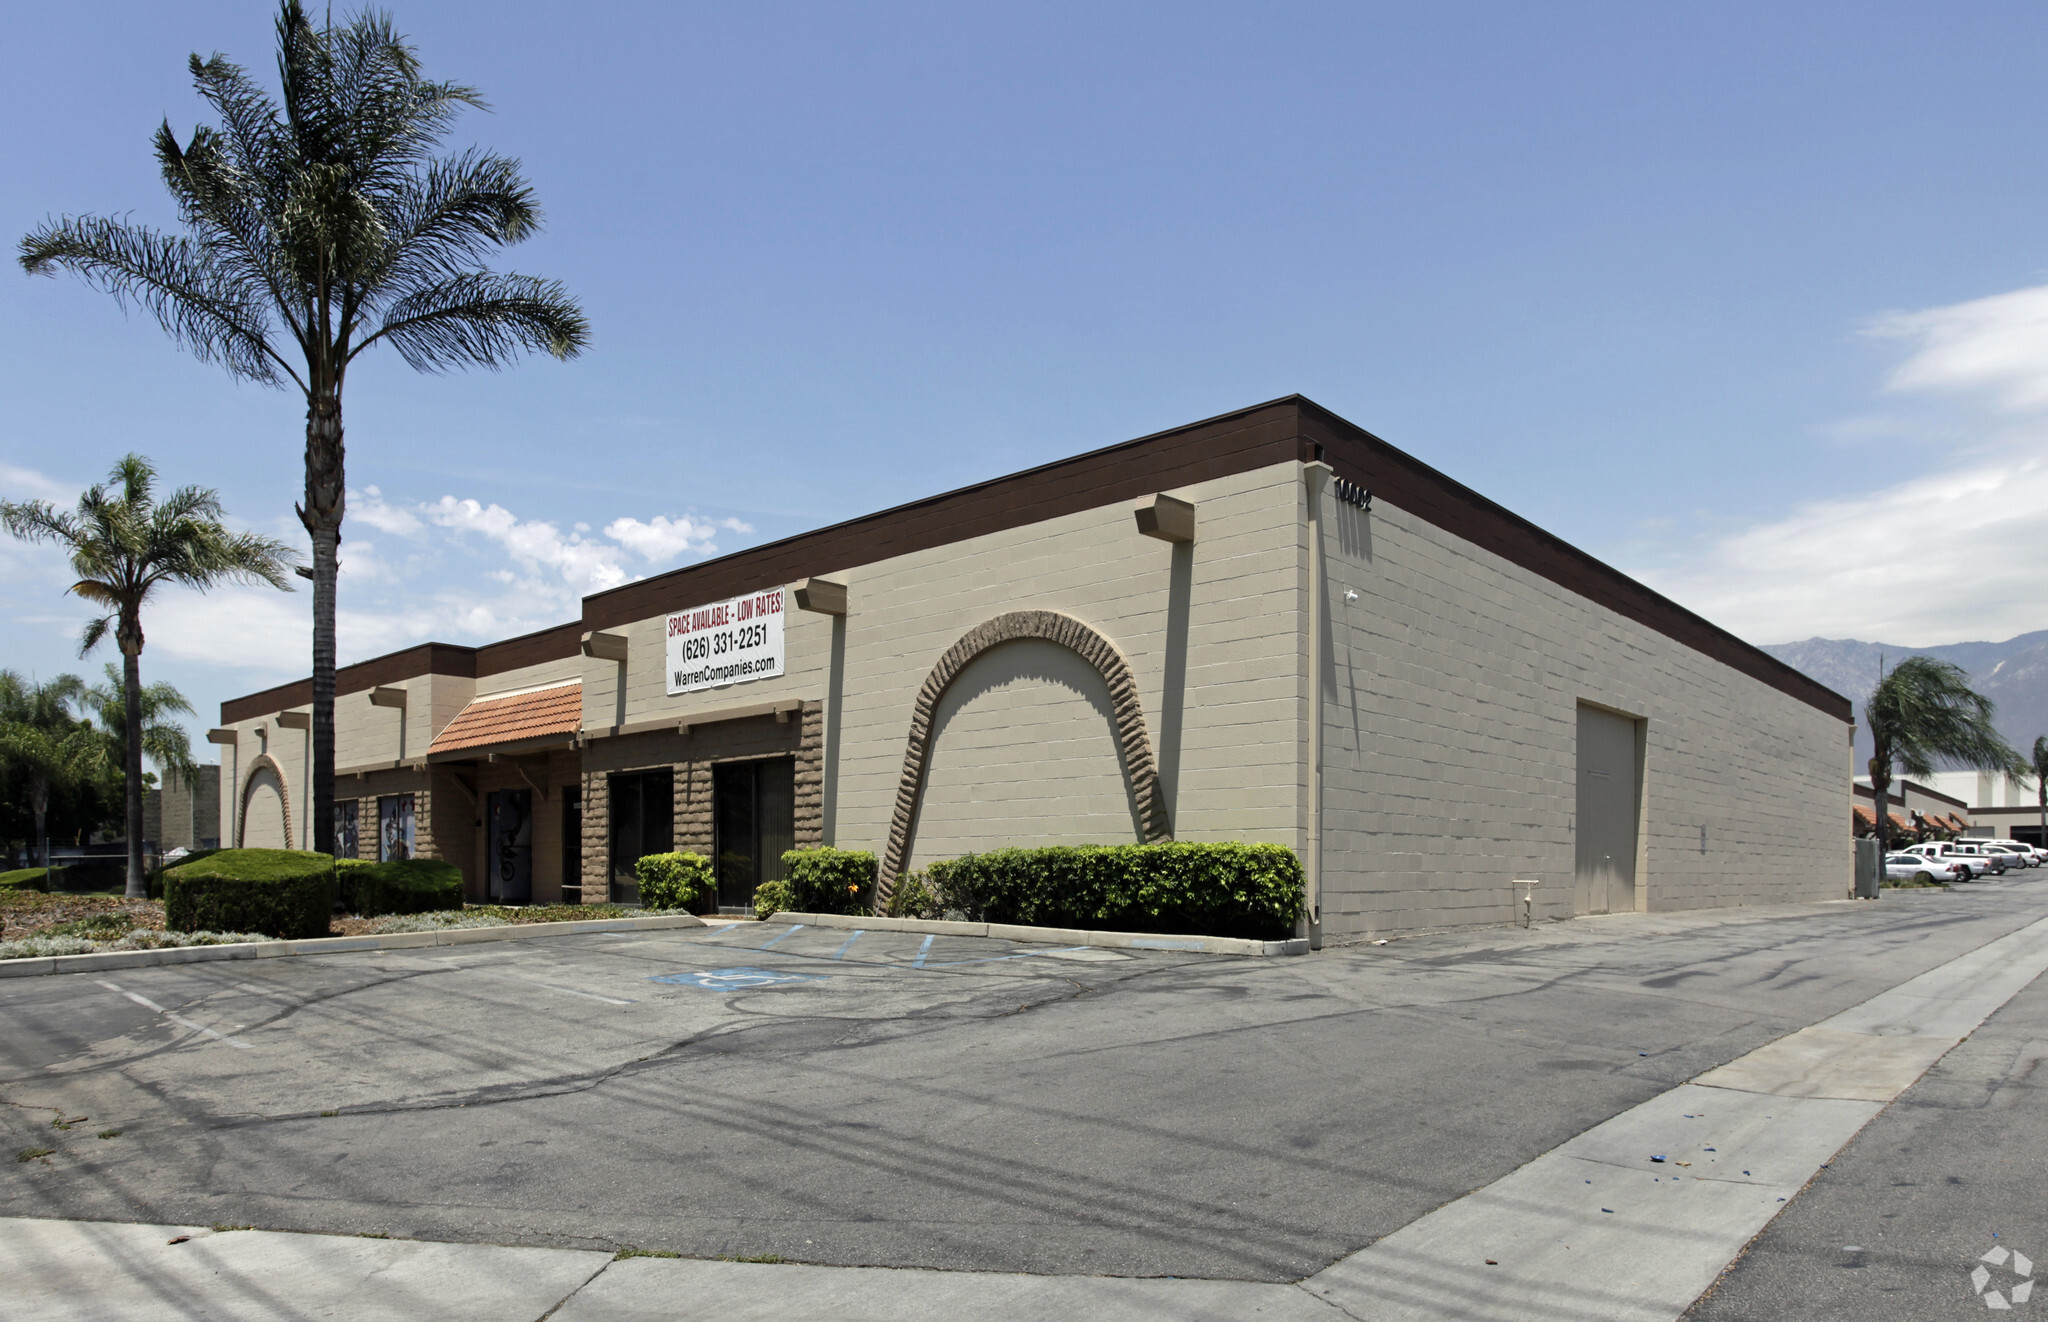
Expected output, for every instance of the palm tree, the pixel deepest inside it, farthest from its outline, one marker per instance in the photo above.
(2040, 770)
(164, 741)
(1925, 712)
(123, 544)
(44, 744)
(316, 230)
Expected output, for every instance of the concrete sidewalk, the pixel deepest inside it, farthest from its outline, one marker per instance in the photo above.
(1631, 1219)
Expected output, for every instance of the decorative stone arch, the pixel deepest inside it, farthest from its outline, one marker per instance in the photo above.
(261, 762)
(1052, 627)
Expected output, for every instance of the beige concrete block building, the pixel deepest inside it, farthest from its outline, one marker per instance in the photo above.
(1268, 626)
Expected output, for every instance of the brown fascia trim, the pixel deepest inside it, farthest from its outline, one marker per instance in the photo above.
(1293, 428)
(1390, 474)
(549, 644)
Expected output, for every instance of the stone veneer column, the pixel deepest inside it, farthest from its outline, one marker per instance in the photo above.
(810, 778)
(694, 828)
(597, 820)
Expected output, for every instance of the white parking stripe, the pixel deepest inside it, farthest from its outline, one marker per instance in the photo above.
(535, 982)
(178, 1019)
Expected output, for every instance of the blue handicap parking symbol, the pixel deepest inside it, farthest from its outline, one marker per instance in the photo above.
(740, 979)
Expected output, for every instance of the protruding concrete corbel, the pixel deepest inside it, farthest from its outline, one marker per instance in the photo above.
(606, 646)
(295, 720)
(223, 736)
(821, 595)
(1168, 519)
(388, 695)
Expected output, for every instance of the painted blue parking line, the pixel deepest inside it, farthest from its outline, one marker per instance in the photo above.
(997, 959)
(735, 979)
(922, 951)
(784, 937)
(841, 952)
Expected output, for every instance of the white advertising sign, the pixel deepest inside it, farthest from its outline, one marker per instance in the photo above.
(727, 642)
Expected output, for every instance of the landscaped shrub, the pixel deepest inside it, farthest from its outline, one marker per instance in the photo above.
(153, 880)
(830, 880)
(411, 885)
(1230, 889)
(771, 898)
(913, 897)
(278, 892)
(673, 881)
(26, 879)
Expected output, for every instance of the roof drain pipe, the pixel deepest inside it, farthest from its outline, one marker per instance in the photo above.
(1316, 478)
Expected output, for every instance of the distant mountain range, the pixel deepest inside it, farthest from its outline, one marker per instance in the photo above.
(2013, 674)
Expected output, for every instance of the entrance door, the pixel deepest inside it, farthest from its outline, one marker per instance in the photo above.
(754, 809)
(1604, 878)
(643, 822)
(508, 856)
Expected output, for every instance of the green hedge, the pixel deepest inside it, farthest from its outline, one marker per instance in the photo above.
(278, 892)
(26, 879)
(771, 898)
(411, 885)
(153, 881)
(1230, 889)
(830, 880)
(673, 881)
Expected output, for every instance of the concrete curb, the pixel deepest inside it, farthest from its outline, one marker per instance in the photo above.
(1056, 936)
(332, 945)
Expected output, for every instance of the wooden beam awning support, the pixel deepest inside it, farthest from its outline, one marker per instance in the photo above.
(606, 646)
(1168, 519)
(822, 595)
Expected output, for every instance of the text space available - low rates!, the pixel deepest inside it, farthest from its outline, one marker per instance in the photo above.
(726, 642)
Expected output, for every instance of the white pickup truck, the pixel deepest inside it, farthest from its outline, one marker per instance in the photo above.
(1970, 857)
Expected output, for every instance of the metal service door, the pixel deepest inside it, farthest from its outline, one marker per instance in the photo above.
(509, 857)
(1604, 876)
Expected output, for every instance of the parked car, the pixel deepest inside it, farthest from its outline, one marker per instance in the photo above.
(2035, 855)
(2020, 855)
(1968, 856)
(1920, 868)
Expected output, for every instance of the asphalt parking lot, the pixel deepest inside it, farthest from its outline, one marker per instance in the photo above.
(891, 1099)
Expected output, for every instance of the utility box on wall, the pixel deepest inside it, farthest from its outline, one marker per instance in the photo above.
(1869, 868)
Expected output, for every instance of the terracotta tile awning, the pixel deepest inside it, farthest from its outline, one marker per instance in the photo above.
(490, 722)
(1956, 822)
(1899, 822)
(1865, 815)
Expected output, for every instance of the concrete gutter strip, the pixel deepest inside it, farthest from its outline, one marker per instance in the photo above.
(332, 945)
(1057, 936)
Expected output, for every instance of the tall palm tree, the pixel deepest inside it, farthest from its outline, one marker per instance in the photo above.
(164, 740)
(44, 744)
(2040, 770)
(1925, 712)
(123, 545)
(314, 231)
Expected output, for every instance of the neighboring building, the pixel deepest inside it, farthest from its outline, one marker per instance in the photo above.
(2000, 808)
(183, 816)
(1912, 807)
(1267, 626)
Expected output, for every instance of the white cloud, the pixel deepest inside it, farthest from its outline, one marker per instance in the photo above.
(662, 538)
(18, 483)
(370, 506)
(1951, 553)
(1995, 346)
(584, 566)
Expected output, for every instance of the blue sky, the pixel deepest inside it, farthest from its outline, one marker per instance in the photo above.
(1742, 298)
